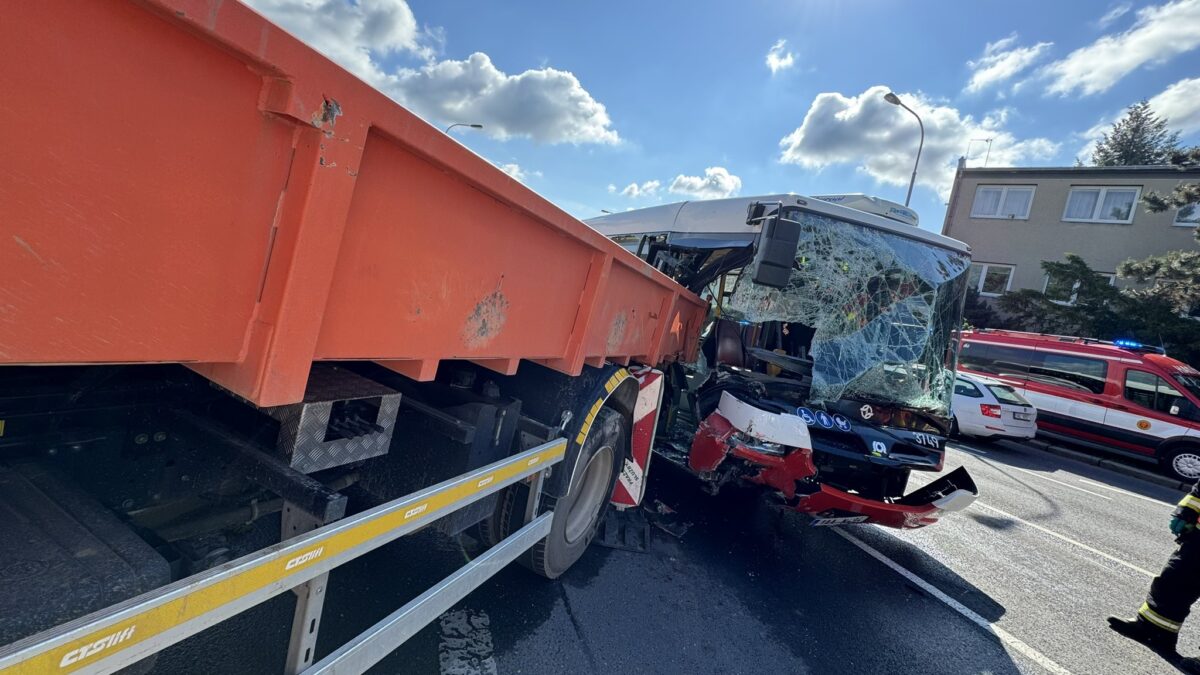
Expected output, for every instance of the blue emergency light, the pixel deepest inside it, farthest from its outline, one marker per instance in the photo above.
(1128, 344)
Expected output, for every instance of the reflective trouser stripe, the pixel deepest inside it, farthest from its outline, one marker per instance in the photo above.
(1158, 619)
(1190, 502)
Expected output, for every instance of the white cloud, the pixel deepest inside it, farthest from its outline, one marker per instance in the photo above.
(1092, 136)
(778, 58)
(882, 139)
(513, 169)
(1180, 105)
(1001, 61)
(1117, 11)
(633, 190)
(716, 183)
(354, 35)
(1159, 33)
(544, 104)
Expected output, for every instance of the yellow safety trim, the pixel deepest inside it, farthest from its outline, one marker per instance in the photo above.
(616, 379)
(1158, 619)
(274, 568)
(587, 421)
(1, 427)
(609, 387)
(1190, 502)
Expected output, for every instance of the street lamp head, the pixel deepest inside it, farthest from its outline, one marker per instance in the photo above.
(892, 98)
(475, 126)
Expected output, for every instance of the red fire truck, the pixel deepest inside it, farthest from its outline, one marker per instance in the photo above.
(1120, 397)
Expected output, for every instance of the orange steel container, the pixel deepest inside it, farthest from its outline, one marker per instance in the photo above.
(184, 182)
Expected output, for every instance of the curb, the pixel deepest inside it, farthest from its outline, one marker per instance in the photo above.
(1110, 464)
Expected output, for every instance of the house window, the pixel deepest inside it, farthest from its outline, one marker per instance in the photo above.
(1065, 289)
(990, 279)
(1101, 204)
(1002, 201)
(1188, 216)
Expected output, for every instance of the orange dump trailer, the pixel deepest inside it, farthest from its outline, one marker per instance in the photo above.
(184, 182)
(402, 337)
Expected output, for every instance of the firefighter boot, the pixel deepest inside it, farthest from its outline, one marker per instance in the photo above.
(1140, 630)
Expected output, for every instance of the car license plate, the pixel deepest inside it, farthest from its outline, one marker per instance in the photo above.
(1024, 417)
(846, 520)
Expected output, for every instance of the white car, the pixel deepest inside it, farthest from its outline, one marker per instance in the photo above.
(987, 408)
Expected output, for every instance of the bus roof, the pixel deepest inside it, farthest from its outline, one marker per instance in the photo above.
(728, 217)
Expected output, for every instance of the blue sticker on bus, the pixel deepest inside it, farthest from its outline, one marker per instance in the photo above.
(824, 419)
(806, 415)
(841, 422)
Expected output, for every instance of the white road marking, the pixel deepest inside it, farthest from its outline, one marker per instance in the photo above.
(969, 451)
(1059, 482)
(919, 480)
(1006, 638)
(466, 647)
(1067, 539)
(1125, 492)
(1059, 536)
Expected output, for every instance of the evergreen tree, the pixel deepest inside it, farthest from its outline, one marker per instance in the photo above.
(1137, 139)
(1173, 277)
(1185, 195)
(1101, 311)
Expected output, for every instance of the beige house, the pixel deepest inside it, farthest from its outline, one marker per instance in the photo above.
(1016, 218)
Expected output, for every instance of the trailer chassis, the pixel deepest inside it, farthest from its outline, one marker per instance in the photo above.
(105, 641)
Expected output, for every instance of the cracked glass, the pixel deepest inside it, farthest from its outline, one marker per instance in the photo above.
(884, 308)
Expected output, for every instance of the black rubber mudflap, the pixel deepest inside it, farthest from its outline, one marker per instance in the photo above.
(626, 530)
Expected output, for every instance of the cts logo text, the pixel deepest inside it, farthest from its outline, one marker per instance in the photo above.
(301, 559)
(96, 647)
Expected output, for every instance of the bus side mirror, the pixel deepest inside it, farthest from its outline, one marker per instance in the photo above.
(776, 252)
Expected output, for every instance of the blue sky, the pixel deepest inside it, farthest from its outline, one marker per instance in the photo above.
(580, 101)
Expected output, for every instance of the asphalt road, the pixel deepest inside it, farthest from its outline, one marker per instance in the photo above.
(1019, 583)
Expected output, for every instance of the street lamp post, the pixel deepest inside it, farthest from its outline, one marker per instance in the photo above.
(892, 98)
(463, 124)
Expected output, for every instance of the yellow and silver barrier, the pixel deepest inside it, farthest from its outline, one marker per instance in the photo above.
(118, 636)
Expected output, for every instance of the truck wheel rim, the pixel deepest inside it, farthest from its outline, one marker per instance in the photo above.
(583, 512)
(1187, 464)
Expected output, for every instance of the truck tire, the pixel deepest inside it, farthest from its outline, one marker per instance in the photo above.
(578, 514)
(1182, 462)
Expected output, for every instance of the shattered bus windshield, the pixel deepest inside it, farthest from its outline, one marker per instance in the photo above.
(881, 309)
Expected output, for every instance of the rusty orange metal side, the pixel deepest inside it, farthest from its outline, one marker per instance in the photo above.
(185, 182)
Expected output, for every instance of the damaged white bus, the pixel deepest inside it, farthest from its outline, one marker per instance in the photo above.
(827, 366)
